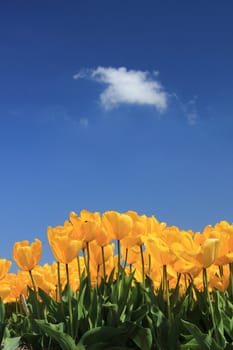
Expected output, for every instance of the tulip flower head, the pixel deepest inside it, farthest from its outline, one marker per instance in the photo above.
(64, 248)
(27, 256)
(122, 224)
(4, 267)
(209, 252)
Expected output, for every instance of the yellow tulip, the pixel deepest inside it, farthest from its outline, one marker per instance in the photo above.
(138, 233)
(5, 289)
(209, 252)
(96, 253)
(4, 267)
(66, 229)
(160, 251)
(89, 230)
(19, 283)
(121, 224)
(76, 222)
(186, 251)
(133, 255)
(45, 278)
(27, 256)
(86, 226)
(216, 281)
(86, 215)
(224, 232)
(105, 233)
(132, 241)
(184, 266)
(64, 248)
(154, 226)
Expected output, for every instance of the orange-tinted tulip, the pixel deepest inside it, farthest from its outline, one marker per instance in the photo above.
(27, 256)
(64, 248)
(96, 253)
(105, 234)
(121, 224)
(86, 226)
(5, 289)
(19, 283)
(4, 267)
(138, 233)
(160, 251)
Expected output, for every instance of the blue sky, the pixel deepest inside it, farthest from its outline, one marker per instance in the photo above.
(114, 105)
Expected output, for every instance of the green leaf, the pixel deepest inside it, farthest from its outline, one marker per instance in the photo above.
(67, 293)
(81, 308)
(2, 311)
(139, 313)
(54, 308)
(218, 312)
(105, 346)
(125, 285)
(103, 335)
(191, 345)
(161, 327)
(65, 341)
(204, 340)
(2, 319)
(36, 308)
(11, 343)
(141, 336)
(110, 312)
(228, 325)
(93, 309)
(2, 330)
(36, 341)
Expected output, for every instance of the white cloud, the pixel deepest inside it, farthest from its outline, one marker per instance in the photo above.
(127, 87)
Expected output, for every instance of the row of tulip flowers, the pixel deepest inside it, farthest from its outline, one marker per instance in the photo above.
(94, 245)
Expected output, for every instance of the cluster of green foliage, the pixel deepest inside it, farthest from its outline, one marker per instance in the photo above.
(120, 314)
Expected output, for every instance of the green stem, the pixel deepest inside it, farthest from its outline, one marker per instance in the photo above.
(85, 258)
(97, 276)
(178, 282)
(205, 281)
(67, 275)
(166, 286)
(34, 288)
(126, 257)
(88, 262)
(16, 306)
(79, 269)
(230, 279)
(119, 255)
(177, 289)
(119, 268)
(59, 280)
(59, 287)
(143, 267)
(149, 268)
(69, 300)
(104, 267)
(33, 282)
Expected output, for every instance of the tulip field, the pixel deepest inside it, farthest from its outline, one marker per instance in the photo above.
(120, 281)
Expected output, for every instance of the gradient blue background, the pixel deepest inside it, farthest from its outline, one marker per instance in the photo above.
(130, 157)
